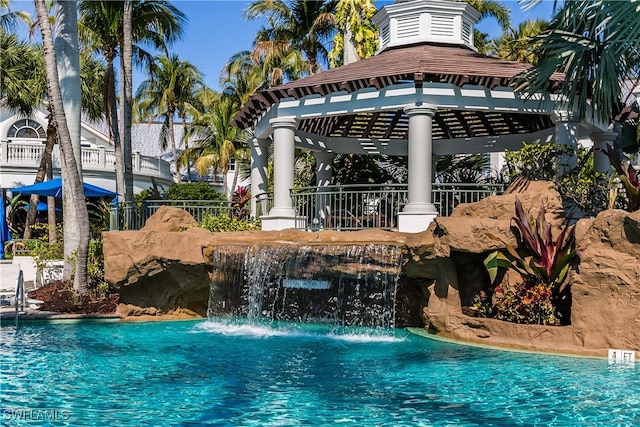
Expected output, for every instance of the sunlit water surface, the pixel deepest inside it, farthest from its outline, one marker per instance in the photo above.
(229, 373)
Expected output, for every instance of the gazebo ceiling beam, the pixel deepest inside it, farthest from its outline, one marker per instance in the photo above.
(393, 123)
(395, 97)
(441, 147)
(446, 96)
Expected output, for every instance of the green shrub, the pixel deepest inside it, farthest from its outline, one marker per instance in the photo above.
(194, 191)
(582, 187)
(225, 223)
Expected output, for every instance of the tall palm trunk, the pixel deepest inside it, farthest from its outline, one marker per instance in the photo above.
(52, 137)
(126, 89)
(111, 110)
(186, 147)
(69, 163)
(172, 139)
(45, 165)
(68, 67)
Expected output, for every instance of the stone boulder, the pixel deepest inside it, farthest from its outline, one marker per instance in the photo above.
(531, 193)
(161, 265)
(605, 285)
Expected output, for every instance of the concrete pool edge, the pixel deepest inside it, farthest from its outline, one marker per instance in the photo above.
(576, 353)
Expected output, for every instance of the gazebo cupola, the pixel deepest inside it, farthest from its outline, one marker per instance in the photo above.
(437, 21)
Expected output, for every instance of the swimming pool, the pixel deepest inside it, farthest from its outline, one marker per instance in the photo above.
(226, 373)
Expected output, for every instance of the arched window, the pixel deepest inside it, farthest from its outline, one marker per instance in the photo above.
(26, 129)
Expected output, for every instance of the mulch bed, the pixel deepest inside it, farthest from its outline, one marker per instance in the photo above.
(58, 296)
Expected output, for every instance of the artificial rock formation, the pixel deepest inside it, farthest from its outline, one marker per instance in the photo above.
(166, 267)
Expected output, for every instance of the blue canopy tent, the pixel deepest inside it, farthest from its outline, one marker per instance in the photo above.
(40, 207)
(53, 188)
(5, 234)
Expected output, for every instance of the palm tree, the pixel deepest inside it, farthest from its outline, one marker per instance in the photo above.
(355, 28)
(303, 26)
(170, 86)
(9, 19)
(489, 9)
(595, 44)
(126, 97)
(23, 84)
(68, 62)
(74, 180)
(216, 141)
(24, 87)
(520, 44)
(157, 22)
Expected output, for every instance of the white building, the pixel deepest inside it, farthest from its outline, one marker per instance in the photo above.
(22, 142)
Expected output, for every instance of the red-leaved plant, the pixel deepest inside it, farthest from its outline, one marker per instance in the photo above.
(538, 255)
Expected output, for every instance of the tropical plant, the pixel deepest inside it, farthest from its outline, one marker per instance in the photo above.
(462, 168)
(529, 303)
(489, 9)
(628, 177)
(240, 200)
(23, 83)
(194, 191)
(519, 44)
(542, 263)
(304, 26)
(170, 87)
(538, 255)
(9, 19)
(594, 44)
(216, 141)
(225, 224)
(582, 187)
(101, 27)
(126, 97)
(355, 28)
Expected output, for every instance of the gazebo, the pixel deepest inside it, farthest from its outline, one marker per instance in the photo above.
(426, 93)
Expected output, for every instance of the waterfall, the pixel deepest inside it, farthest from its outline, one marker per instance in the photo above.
(351, 285)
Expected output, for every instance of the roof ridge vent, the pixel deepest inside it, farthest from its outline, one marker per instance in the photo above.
(419, 21)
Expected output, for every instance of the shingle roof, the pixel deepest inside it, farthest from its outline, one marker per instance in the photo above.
(418, 63)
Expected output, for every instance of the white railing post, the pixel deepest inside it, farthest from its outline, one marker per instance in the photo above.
(136, 161)
(102, 156)
(3, 152)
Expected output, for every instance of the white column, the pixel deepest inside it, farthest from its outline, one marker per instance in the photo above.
(282, 215)
(259, 189)
(566, 134)
(324, 173)
(419, 210)
(600, 140)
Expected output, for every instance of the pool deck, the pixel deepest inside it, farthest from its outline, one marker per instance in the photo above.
(8, 317)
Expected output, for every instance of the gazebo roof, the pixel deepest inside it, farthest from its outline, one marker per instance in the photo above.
(419, 63)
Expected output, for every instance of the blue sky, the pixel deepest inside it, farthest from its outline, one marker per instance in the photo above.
(216, 30)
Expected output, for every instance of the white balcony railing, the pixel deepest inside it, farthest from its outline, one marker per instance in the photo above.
(29, 155)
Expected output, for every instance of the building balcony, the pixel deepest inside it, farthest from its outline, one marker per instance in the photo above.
(20, 161)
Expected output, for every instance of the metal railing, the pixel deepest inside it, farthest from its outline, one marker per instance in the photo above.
(337, 207)
(19, 295)
(133, 215)
(356, 207)
(349, 207)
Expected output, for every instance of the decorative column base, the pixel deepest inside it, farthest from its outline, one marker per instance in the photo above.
(409, 222)
(282, 219)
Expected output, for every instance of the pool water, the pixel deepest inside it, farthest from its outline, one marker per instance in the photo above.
(229, 373)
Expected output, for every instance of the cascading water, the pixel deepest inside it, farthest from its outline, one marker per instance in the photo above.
(350, 285)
